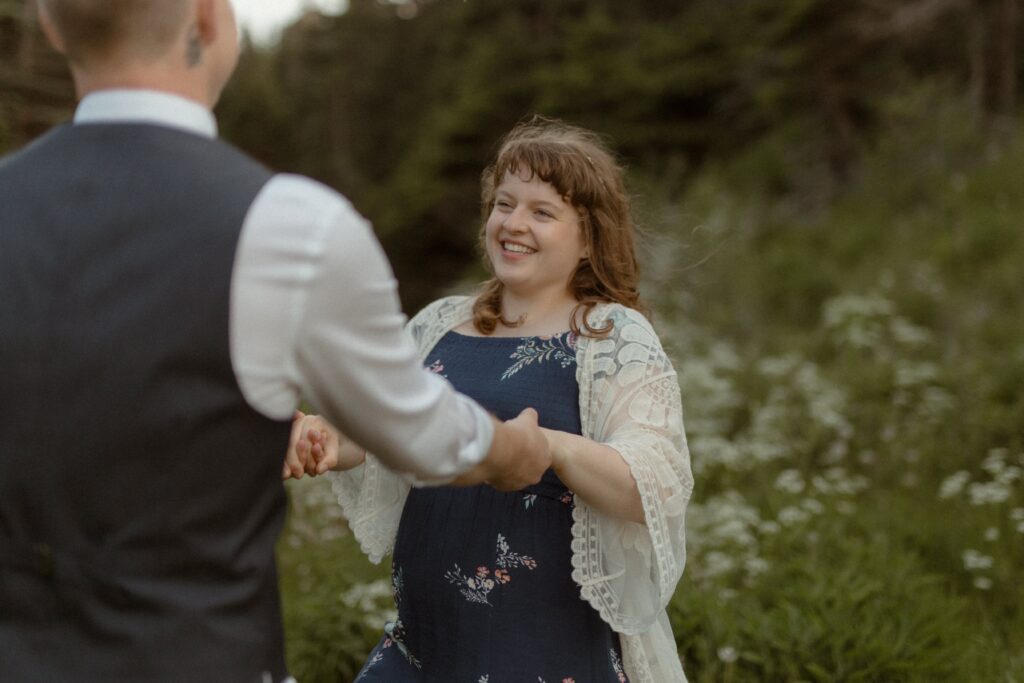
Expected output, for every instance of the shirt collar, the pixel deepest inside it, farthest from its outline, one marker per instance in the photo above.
(146, 106)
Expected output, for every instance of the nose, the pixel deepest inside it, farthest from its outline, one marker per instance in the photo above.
(514, 221)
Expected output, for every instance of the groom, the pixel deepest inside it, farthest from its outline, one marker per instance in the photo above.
(164, 303)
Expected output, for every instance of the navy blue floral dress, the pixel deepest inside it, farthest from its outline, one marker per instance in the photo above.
(482, 578)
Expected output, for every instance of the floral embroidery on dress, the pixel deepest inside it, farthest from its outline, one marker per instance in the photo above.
(570, 679)
(437, 367)
(479, 586)
(560, 348)
(395, 630)
(376, 659)
(617, 666)
(529, 499)
(508, 559)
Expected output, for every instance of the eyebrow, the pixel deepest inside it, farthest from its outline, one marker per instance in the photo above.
(505, 194)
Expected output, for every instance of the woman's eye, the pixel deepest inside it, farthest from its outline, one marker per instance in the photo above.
(502, 204)
(544, 214)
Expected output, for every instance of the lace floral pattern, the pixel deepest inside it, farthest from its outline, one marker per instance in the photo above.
(629, 400)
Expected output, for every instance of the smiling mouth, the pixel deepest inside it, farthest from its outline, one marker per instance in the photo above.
(517, 248)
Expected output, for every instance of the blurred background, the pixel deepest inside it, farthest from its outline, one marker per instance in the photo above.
(832, 197)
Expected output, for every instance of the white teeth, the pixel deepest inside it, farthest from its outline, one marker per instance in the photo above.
(518, 248)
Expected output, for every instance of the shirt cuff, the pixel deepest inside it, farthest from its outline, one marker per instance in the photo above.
(470, 455)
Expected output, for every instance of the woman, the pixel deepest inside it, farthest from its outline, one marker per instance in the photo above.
(488, 584)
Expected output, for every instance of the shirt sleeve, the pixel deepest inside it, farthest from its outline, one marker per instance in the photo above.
(315, 313)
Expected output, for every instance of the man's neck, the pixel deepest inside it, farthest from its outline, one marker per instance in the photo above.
(141, 78)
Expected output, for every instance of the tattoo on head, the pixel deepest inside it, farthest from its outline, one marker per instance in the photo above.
(194, 49)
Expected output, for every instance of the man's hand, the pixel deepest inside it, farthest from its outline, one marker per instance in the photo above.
(518, 458)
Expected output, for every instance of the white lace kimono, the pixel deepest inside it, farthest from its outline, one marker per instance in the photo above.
(629, 400)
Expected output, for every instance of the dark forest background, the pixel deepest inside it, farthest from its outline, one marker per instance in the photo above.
(399, 104)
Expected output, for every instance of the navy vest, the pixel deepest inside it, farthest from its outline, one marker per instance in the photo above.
(140, 495)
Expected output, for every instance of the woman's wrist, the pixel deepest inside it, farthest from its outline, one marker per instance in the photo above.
(560, 444)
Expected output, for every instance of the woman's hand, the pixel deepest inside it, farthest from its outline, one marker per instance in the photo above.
(316, 447)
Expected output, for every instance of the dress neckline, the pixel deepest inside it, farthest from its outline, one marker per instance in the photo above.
(556, 335)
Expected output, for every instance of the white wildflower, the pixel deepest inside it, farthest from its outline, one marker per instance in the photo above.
(790, 481)
(735, 531)
(715, 450)
(813, 506)
(771, 528)
(1009, 475)
(908, 334)
(954, 484)
(717, 563)
(765, 451)
(992, 493)
(916, 374)
(1017, 514)
(982, 583)
(991, 534)
(793, 515)
(995, 461)
(974, 560)
(756, 566)
(779, 366)
(728, 654)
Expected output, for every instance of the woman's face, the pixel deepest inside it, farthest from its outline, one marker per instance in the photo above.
(533, 237)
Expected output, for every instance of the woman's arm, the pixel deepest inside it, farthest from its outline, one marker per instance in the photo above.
(597, 474)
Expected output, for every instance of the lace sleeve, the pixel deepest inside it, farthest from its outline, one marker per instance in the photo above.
(630, 400)
(372, 496)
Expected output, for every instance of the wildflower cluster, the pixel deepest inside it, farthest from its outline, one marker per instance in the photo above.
(997, 495)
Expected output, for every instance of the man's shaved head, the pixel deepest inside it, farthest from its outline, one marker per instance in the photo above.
(93, 31)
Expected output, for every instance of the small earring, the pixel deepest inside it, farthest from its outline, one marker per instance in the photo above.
(194, 49)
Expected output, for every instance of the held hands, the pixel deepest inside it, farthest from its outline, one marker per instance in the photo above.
(316, 447)
(519, 456)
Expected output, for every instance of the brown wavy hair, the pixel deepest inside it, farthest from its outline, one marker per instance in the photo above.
(578, 165)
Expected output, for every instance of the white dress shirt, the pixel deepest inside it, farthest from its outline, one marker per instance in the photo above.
(315, 314)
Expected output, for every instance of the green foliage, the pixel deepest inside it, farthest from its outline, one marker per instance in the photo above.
(832, 606)
(335, 601)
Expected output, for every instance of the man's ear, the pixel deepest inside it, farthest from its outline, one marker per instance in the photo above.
(206, 21)
(50, 29)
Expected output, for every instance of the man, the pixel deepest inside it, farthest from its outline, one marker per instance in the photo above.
(165, 302)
